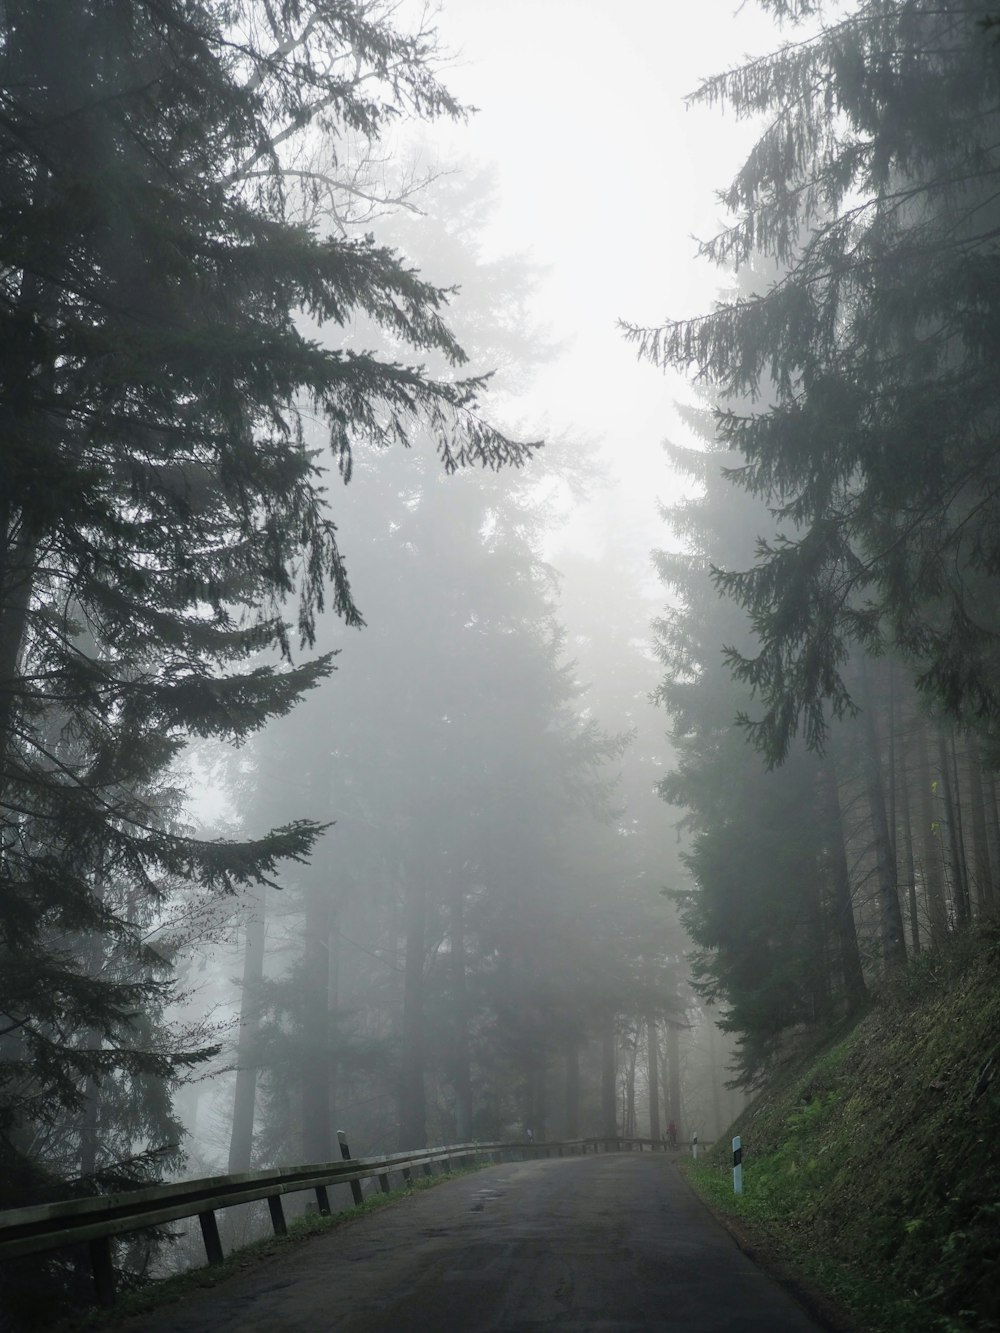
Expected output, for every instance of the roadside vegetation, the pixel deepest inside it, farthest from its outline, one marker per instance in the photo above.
(870, 1169)
(155, 1296)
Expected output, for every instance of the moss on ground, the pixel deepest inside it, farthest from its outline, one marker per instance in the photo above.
(873, 1167)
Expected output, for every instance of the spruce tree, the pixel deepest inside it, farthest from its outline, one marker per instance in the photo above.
(873, 188)
(760, 907)
(159, 509)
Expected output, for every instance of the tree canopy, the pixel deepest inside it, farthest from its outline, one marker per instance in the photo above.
(871, 356)
(847, 517)
(162, 518)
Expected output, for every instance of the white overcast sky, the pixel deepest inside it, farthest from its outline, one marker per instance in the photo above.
(605, 177)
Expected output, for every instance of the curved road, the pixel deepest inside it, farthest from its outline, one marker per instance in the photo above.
(615, 1242)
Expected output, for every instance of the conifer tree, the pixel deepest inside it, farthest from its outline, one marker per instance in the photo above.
(159, 506)
(761, 907)
(873, 188)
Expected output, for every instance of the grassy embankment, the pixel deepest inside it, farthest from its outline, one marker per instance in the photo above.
(873, 1169)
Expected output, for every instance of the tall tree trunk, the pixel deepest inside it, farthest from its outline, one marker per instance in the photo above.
(983, 868)
(674, 1076)
(819, 982)
(892, 810)
(572, 1058)
(245, 1096)
(930, 843)
(317, 1126)
(716, 1076)
(17, 575)
(960, 814)
(652, 1064)
(38, 298)
(333, 1008)
(90, 1125)
(993, 832)
(413, 1095)
(960, 887)
(909, 864)
(629, 1116)
(538, 1108)
(609, 1073)
(855, 990)
(459, 1060)
(891, 932)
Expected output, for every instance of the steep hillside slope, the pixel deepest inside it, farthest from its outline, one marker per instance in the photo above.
(874, 1167)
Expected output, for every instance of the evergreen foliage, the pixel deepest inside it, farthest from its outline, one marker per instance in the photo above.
(479, 924)
(760, 910)
(872, 356)
(159, 506)
(853, 448)
(462, 880)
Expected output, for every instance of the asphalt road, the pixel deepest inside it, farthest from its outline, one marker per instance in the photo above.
(615, 1242)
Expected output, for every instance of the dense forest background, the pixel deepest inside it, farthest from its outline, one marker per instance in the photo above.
(335, 791)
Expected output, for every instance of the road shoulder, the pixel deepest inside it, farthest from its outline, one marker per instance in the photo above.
(766, 1252)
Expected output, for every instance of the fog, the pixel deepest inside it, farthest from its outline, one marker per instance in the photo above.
(498, 571)
(481, 943)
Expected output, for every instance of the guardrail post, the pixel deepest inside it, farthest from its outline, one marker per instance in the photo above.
(210, 1235)
(277, 1214)
(383, 1183)
(345, 1152)
(322, 1201)
(104, 1269)
(407, 1175)
(427, 1168)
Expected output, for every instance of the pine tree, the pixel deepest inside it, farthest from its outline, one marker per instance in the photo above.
(457, 901)
(873, 188)
(430, 884)
(772, 923)
(159, 506)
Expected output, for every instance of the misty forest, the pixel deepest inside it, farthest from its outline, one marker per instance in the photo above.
(362, 767)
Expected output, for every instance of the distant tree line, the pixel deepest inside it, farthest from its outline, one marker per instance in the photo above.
(839, 603)
(467, 930)
(476, 948)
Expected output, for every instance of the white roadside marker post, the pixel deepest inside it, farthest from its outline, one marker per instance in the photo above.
(694, 1146)
(737, 1165)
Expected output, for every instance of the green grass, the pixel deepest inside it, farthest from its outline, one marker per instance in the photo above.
(767, 1217)
(872, 1168)
(157, 1295)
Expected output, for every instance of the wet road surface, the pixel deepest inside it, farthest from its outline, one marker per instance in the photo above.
(615, 1242)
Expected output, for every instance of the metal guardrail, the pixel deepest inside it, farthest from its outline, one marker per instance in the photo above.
(94, 1221)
